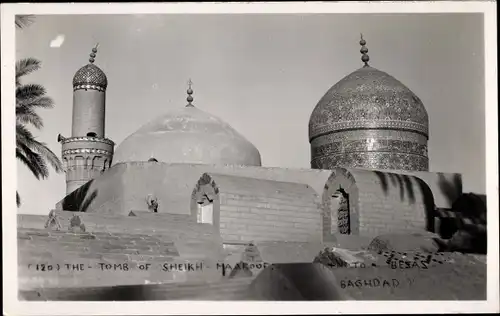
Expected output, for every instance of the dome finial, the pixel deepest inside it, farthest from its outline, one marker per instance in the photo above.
(190, 92)
(93, 54)
(365, 58)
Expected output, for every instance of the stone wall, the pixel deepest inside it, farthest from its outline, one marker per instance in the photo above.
(104, 193)
(172, 184)
(98, 255)
(126, 186)
(381, 202)
(261, 210)
(446, 187)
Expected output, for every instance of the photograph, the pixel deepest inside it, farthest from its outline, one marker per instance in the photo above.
(204, 153)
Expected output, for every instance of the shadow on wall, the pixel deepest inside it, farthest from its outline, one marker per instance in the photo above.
(451, 189)
(80, 199)
(407, 192)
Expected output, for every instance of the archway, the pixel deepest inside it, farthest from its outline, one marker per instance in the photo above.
(340, 205)
(205, 203)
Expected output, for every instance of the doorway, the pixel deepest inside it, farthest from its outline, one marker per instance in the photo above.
(205, 213)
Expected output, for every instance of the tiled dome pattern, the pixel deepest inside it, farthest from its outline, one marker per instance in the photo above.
(90, 77)
(368, 98)
(367, 105)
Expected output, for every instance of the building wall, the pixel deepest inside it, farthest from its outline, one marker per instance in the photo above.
(126, 186)
(261, 210)
(383, 202)
(105, 194)
(172, 184)
(446, 187)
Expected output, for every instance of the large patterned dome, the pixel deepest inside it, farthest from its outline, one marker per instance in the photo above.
(368, 98)
(188, 135)
(369, 120)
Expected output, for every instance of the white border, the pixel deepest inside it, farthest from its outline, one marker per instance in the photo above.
(9, 181)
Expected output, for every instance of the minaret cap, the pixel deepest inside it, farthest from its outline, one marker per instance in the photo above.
(364, 50)
(190, 92)
(90, 76)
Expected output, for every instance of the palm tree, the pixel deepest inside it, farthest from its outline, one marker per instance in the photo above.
(29, 98)
(23, 21)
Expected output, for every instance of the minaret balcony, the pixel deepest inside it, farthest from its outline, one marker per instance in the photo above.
(87, 145)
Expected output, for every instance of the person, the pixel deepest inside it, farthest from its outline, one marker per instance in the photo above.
(152, 203)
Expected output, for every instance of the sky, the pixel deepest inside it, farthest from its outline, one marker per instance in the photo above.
(262, 74)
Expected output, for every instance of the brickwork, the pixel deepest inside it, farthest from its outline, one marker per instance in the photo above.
(172, 184)
(261, 210)
(380, 202)
(446, 187)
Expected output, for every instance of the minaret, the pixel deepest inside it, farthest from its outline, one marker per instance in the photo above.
(87, 153)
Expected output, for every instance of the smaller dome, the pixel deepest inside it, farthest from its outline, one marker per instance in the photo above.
(188, 135)
(90, 77)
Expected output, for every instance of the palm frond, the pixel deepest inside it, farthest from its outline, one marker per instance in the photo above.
(33, 161)
(47, 154)
(23, 134)
(33, 154)
(30, 91)
(41, 102)
(26, 115)
(23, 21)
(25, 138)
(26, 66)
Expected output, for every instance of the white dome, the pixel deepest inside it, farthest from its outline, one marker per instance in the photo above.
(188, 135)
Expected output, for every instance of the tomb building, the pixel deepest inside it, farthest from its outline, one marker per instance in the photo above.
(188, 187)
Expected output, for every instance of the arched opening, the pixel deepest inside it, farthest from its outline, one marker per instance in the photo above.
(91, 134)
(152, 160)
(205, 203)
(205, 212)
(340, 206)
